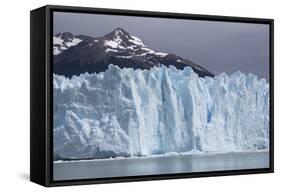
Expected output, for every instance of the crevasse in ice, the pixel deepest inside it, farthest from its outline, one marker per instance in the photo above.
(127, 112)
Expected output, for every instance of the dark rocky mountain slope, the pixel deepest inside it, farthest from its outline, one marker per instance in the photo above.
(78, 54)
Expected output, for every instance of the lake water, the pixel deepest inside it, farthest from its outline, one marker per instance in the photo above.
(159, 165)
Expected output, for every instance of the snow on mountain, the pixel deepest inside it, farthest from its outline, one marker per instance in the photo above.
(161, 54)
(127, 112)
(63, 41)
(118, 47)
(119, 38)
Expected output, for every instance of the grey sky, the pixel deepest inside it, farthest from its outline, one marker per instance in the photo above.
(217, 46)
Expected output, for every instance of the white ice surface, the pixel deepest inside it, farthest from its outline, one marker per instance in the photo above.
(126, 112)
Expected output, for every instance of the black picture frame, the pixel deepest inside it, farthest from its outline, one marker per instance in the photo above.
(41, 55)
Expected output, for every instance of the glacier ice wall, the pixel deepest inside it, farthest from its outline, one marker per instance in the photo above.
(126, 112)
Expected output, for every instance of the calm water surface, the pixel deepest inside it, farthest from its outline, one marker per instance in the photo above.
(159, 165)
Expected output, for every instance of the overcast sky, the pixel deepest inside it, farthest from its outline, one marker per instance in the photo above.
(217, 46)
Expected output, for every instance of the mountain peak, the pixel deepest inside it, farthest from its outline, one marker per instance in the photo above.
(120, 30)
(117, 47)
(117, 33)
(66, 36)
(123, 38)
(63, 41)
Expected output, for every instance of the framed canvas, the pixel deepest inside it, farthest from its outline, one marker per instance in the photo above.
(123, 95)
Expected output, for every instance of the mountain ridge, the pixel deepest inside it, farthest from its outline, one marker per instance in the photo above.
(76, 54)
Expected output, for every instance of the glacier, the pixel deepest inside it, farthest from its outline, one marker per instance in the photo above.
(131, 113)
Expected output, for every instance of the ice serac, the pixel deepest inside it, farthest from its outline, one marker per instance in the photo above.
(127, 112)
